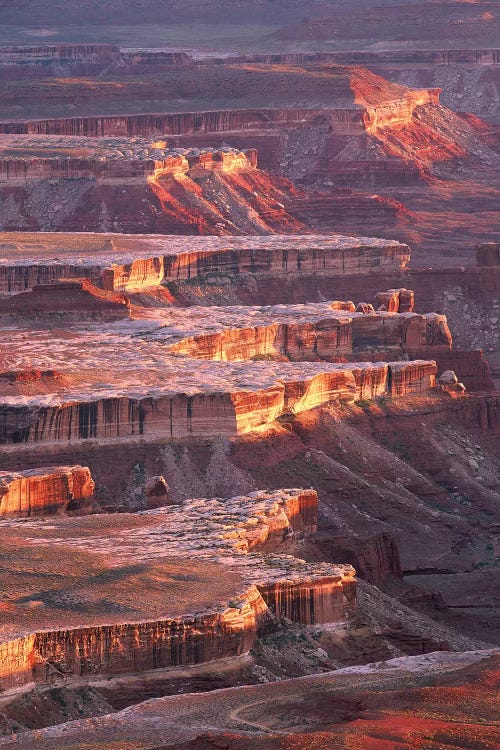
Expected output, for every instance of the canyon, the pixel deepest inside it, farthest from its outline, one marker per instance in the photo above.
(376, 157)
(337, 708)
(53, 183)
(249, 367)
(173, 395)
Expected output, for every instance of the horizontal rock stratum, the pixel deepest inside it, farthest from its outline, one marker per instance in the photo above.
(43, 491)
(59, 183)
(128, 262)
(255, 395)
(181, 620)
(172, 372)
(150, 382)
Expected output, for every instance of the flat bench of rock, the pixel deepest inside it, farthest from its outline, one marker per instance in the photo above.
(124, 262)
(270, 392)
(221, 537)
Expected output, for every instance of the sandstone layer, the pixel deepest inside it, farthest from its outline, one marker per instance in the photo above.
(50, 183)
(340, 132)
(68, 298)
(211, 368)
(44, 491)
(124, 262)
(258, 400)
(227, 535)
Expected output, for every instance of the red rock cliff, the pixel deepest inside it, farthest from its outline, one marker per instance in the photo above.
(42, 492)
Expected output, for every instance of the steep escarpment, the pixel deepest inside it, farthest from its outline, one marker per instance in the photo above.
(326, 339)
(132, 647)
(157, 391)
(44, 491)
(223, 536)
(407, 122)
(123, 263)
(248, 422)
(18, 62)
(181, 415)
(430, 167)
(365, 105)
(80, 184)
(68, 298)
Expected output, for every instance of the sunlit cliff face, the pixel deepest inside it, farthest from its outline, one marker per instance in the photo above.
(393, 117)
(122, 182)
(224, 537)
(206, 192)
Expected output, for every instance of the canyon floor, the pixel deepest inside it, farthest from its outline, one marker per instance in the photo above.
(249, 367)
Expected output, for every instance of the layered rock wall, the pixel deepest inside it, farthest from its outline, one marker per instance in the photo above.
(473, 370)
(296, 341)
(17, 662)
(323, 261)
(20, 278)
(134, 185)
(373, 57)
(409, 332)
(35, 53)
(182, 415)
(306, 602)
(73, 298)
(26, 168)
(139, 274)
(396, 300)
(174, 260)
(400, 112)
(134, 647)
(343, 121)
(411, 377)
(327, 339)
(231, 530)
(42, 492)
(83, 59)
(375, 558)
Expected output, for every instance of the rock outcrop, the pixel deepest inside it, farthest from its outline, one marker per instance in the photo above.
(327, 339)
(70, 183)
(188, 372)
(396, 300)
(44, 492)
(68, 298)
(156, 492)
(127, 262)
(210, 412)
(448, 383)
(231, 533)
(471, 367)
(409, 331)
(488, 254)
(137, 647)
